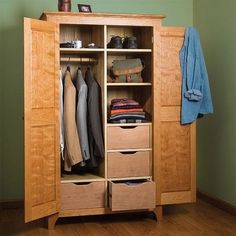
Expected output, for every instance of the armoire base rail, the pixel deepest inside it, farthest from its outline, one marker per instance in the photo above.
(51, 220)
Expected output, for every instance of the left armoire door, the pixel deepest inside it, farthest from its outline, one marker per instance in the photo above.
(41, 119)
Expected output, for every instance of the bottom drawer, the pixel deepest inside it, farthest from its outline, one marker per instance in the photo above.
(82, 195)
(132, 195)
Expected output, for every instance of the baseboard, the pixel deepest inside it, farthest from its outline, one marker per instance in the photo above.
(217, 202)
(12, 204)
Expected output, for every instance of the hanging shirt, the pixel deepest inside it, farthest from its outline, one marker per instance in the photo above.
(61, 117)
(72, 145)
(196, 94)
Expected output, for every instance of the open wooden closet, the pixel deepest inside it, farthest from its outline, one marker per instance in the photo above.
(145, 165)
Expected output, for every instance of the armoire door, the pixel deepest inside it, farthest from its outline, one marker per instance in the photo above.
(176, 152)
(41, 118)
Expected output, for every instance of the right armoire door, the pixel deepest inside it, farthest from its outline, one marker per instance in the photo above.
(176, 143)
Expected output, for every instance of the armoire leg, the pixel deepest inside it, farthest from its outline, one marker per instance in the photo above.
(51, 221)
(158, 212)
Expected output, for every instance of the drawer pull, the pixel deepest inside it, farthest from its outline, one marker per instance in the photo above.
(128, 152)
(128, 127)
(82, 183)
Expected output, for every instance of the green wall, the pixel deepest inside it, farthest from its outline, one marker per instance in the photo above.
(216, 165)
(179, 12)
(1, 110)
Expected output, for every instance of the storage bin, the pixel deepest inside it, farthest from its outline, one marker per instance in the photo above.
(123, 196)
(82, 195)
(128, 164)
(128, 137)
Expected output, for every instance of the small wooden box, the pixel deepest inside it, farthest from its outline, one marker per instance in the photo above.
(132, 197)
(129, 164)
(128, 137)
(82, 195)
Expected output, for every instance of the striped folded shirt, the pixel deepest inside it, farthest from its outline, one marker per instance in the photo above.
(120, 111)
(128, 121)
(132, 115)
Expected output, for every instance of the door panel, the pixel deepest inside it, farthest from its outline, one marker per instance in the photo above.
(170, 93)
(176, 142)
(41, 115)
(175, 161)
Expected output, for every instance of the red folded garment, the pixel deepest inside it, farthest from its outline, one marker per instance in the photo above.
(120, 111)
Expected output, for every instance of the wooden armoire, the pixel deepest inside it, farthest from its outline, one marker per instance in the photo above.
(160, 152)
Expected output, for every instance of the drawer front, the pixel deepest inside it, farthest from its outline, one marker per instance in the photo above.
(125, 137)
(128, 164)
(81, 196)
(131, 197)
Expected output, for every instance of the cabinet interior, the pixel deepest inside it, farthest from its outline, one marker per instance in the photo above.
(142, 34)
(141, 94)
(86, 33)
(146, 59)
(100, 59)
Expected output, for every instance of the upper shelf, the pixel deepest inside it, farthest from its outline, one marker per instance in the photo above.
(109, 50)
(114, 50)
(80, 50)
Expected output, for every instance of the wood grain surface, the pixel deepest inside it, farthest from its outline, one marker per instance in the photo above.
(179, 220)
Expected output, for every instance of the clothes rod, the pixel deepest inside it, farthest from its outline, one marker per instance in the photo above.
(80, 60)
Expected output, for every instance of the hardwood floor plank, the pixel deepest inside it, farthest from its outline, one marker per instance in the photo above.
(180, 220)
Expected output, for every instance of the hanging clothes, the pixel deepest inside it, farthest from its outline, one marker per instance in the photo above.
(72, 145)
(196, 94)
(81, 114)
(61, 117)
(96, 144)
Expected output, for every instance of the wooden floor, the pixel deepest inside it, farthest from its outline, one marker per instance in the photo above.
(200, 219)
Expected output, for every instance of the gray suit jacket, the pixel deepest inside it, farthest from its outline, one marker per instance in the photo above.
(96, 144)
(81, 115)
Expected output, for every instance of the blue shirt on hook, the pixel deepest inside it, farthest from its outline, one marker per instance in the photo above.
(196, 94)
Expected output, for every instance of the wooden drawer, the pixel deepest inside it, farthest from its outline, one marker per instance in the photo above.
(82, 195)
(128, 164)
(126, 137)
(130, 197)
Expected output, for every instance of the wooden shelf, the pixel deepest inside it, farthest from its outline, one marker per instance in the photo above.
(109, 50)
(129, 84)
(129, 124)
(130, 178)
(80, 50)
(131, 150)
(114, 50)
(80, 178)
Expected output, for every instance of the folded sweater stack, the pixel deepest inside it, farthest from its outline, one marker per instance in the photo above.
(124, 110)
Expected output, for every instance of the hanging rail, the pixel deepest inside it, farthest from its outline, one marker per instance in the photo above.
(80, 60)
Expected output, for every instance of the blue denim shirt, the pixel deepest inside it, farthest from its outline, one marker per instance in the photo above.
(196, 94)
